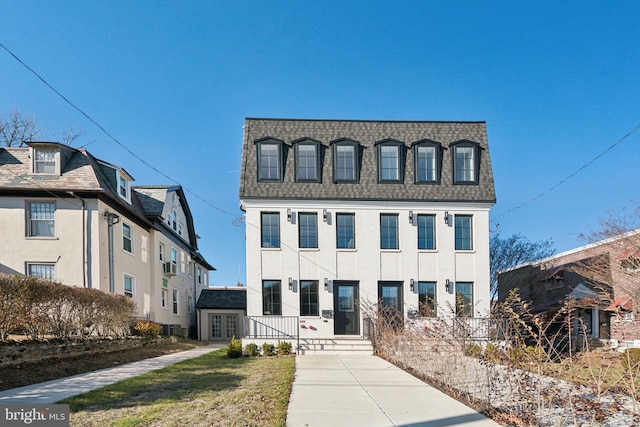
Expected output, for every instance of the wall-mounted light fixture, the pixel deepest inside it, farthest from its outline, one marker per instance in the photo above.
(290, 284)
(446, 218)
(326, 284)
(289, 215)
(324, 215)
(412, 285)
(447, 285)
(410, 217)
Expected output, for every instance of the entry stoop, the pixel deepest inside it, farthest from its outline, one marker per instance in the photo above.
(335, 346)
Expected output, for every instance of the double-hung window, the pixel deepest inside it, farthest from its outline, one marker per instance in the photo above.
(175, 300)
(269, 159)
(165, 297)
(174, 260)
(427, 299)
(271, 297)
(127, 238)
(41, 219)
(44, 161)
(464, 299)
(345, 231)
(390, 161)
(42, 271)
(308, 230)
(426, 161)
(464, 232)
(309, 298)
(426, 231)
(161, 252)
(307, 159)
(389, 231)
(199, 275)
(465, 162)
(129, 286)
(270, 229)
(345, 160)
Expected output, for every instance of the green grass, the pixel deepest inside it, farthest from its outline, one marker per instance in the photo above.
(211, 390)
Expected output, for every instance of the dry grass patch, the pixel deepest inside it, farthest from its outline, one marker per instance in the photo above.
(211, 390)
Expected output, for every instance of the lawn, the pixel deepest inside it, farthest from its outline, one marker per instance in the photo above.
(212, 390)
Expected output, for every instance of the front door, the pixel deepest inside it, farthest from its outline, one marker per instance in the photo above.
(390, 303)
(345, 308)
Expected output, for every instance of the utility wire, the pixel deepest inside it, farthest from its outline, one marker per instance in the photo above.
(113, 138)
(577, 171)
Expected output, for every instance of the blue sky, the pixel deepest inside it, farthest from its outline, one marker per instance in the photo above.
(556, 82)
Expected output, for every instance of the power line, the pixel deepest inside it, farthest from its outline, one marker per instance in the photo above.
(109, 135)
(577, 171)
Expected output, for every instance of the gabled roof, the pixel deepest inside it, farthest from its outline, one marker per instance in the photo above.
(223, 298)
(366, 134)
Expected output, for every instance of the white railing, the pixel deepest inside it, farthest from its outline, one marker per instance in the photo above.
(272, 327)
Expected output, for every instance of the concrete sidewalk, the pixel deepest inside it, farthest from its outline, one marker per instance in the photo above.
(367, 391)
(56, 390)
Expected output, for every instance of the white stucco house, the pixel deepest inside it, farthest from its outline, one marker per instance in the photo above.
(345, 215)
(68, 216)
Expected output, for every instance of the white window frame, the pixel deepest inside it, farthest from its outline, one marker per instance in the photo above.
(175, 301)
(48, 266)
(174, 220)
(180, 228)
(124, 186)
(130, 238)
(126, 276)
(30, 219)
(161, 252)
(164, 298)
(48, 159)
(199, 275)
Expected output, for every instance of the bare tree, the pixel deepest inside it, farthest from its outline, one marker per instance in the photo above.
(16, 128)
(509, 252)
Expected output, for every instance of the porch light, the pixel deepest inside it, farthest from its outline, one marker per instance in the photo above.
(290, 284)
(446, 217)
(289, 215)
(324, 215)
(410, 217)
(411, 285)
(326, 284)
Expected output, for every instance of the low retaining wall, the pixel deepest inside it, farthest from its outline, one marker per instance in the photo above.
(21, 352)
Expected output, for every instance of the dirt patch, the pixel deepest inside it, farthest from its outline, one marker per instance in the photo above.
(33, 373)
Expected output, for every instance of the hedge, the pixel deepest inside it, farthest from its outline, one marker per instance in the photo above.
(40, 308)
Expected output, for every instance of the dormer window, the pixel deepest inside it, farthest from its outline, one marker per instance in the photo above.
(345, 160)
(174, 220)
(466, 162)
(44, 161)
(124, 186)
(269, 159)
(390, 160)
(307, 159)
(427, 160)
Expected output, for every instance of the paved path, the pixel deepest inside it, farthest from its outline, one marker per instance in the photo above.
(368, 391)
(56, 390)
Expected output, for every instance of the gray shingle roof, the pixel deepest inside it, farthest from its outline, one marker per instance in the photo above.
(223, 298)
(366, 133)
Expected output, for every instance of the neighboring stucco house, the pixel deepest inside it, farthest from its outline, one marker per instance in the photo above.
(346, 216)
(68, 216)
(598, 282)
(221, 313)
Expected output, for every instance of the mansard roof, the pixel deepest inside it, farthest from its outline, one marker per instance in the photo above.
(367, 134)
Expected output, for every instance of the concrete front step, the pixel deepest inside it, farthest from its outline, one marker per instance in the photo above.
(335, 346)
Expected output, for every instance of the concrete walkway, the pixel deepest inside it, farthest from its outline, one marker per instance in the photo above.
(56, 390)
(367, 391)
